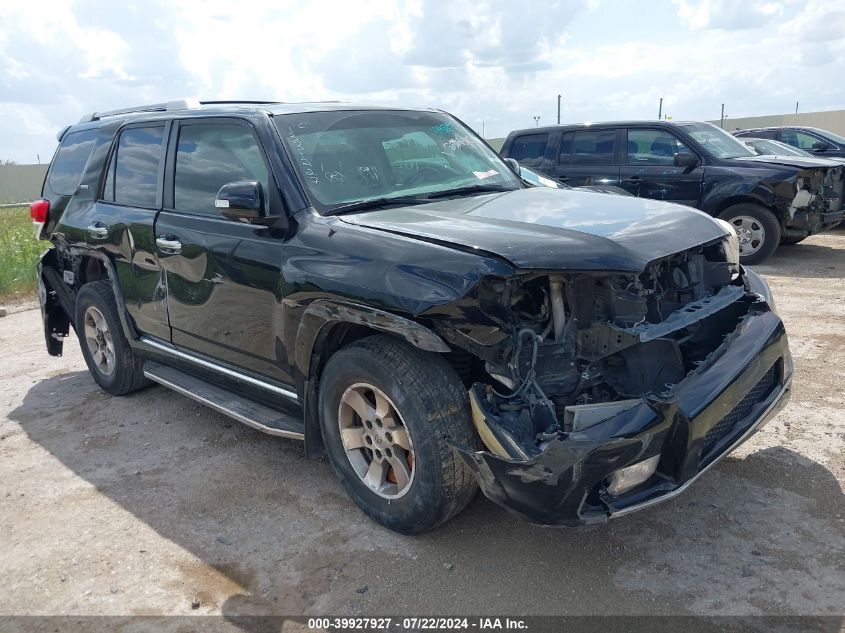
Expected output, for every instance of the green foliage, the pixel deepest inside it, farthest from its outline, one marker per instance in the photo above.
(19, 252)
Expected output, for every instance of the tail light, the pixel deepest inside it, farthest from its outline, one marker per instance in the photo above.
(38, 211)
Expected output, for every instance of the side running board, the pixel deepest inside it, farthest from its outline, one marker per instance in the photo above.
(250, 412)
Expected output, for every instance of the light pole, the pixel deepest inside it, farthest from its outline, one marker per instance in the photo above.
(722, 120)
(558, 109)
(660, 110)
(537, 121)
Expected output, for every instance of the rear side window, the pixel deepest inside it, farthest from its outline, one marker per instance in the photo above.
(208, 156)
(529, 150)
(590, 147)
(136, 167)
(70, 161)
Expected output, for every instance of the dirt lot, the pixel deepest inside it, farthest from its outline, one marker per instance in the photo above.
(146, 504)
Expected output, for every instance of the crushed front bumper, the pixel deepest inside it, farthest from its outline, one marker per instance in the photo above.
(810, 223)
(712, 411)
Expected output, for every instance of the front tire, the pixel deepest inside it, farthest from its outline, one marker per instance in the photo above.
(111, 361)
(758, 230)
(386, 412)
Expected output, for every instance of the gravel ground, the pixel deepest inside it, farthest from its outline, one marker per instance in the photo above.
(152, 504)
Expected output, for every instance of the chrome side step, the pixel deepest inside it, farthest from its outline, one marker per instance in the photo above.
(244, 410)
(168, 349)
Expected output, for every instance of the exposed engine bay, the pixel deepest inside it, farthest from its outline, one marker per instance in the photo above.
(578, 340)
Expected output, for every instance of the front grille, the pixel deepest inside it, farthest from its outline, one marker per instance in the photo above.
(737, 415)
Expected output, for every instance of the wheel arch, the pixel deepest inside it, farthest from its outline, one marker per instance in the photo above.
(97, 266)
(328, 325)
(731, 201)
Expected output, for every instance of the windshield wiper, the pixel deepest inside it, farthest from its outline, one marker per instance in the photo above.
(375, 203)
(468, 190)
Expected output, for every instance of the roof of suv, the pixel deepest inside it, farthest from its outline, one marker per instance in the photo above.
(273, 107)
(193, 107)
(781, 127)
(602, 124)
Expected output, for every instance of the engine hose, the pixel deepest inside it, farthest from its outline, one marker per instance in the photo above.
(528, 379)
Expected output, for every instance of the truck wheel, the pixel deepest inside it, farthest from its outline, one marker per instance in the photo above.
(386, 411)
(758, 230)
(112, 362)
(790, 241)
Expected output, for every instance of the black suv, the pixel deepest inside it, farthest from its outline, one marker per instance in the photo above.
(821, 143)
(378, 283)
(769, 200)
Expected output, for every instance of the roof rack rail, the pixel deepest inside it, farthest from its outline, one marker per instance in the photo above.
(178, 104)
(243, 101)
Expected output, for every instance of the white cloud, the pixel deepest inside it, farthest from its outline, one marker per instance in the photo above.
(727, 14)
(484, 60)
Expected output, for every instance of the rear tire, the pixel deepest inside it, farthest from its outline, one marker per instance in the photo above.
(112, 362)
(393, 458)
(758, 230)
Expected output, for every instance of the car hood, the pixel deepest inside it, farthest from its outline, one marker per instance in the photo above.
(542, 228)
(789, 161)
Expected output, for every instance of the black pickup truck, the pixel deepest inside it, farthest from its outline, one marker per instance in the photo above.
(768, 200)
(378, 283)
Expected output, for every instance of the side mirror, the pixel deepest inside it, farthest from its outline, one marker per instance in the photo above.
(515, 168)
(821, 146)
(241, 200)
(686, 159)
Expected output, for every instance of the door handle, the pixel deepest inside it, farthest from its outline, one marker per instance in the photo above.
(98, 230)
(169, 245)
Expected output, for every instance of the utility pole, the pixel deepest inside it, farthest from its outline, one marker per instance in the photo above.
(660, 110)
(722, 121)
(537, 121)
(558, 109)
(482, 129)
(796, 107)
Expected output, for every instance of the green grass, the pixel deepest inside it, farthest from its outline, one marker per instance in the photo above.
(18, 253)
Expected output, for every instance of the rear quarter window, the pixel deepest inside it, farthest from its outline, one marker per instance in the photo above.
(66, 170)
(137, 160)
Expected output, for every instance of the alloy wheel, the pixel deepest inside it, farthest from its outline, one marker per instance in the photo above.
(376, 440)
(99, 340)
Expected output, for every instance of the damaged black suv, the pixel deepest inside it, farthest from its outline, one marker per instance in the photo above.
(378, 283)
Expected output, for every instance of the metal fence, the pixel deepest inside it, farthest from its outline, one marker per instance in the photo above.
(21, 183)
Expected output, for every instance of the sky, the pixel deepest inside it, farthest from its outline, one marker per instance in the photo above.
(494, 64)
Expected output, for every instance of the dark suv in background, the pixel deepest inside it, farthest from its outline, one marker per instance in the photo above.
(766, 199)
(821, 143)
(379, 283)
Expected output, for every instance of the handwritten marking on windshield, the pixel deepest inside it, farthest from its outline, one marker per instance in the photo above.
(454, 144)
(299, 149)
(442, 129)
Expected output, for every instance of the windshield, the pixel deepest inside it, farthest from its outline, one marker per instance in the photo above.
(350, 156)
(716, 141)
(776, 148)
(830, 135)
(536, 179)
